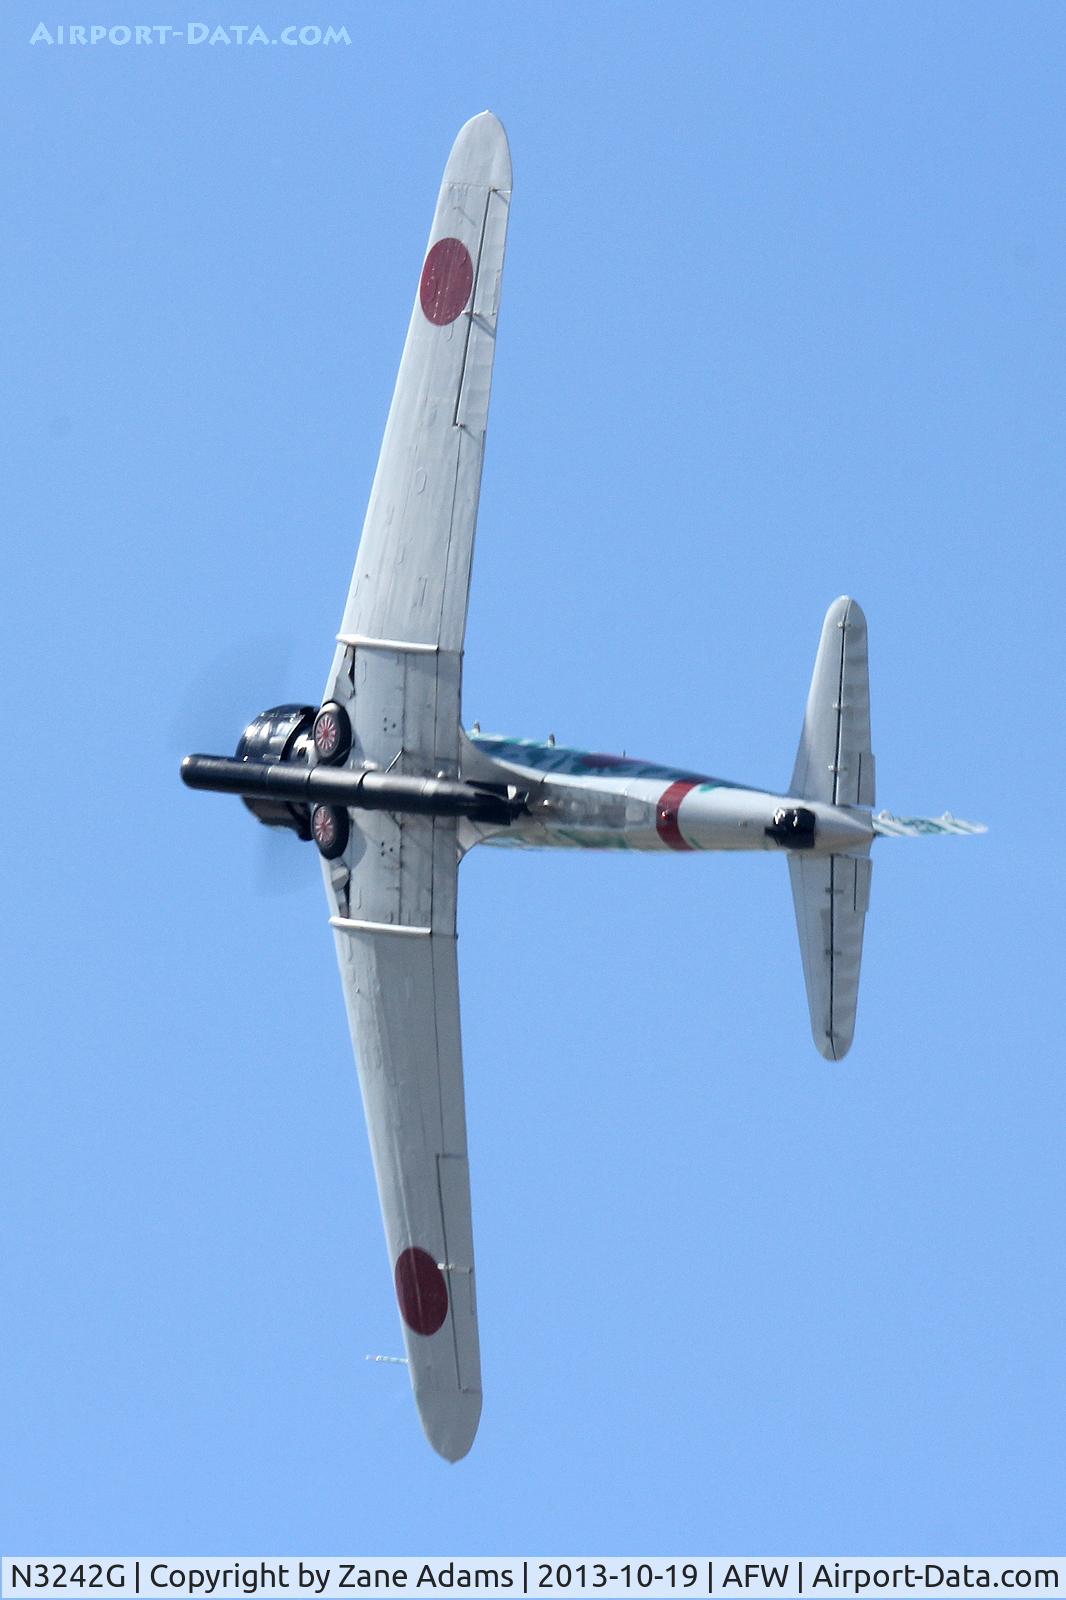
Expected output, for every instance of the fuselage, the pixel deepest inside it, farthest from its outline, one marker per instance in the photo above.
(591, 800)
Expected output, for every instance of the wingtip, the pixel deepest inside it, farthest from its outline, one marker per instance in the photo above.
(846, 608)
(832, 1047)
(449, 1421)
(481, 153)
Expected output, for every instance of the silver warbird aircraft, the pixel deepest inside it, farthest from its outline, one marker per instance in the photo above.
(393, 791)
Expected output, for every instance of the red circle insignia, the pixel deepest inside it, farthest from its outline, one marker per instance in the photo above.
(421, 1291)
(447, 279)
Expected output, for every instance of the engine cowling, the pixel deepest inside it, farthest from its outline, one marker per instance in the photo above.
(284, 733)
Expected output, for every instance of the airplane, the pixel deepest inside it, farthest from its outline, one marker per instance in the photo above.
(393, 790)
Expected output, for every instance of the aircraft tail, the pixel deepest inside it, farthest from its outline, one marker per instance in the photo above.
(831, 895)
(834, 764)
(834, 761)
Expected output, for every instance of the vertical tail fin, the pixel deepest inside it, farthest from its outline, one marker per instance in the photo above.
(834, 764)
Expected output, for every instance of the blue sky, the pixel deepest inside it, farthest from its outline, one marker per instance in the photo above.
(783, 318)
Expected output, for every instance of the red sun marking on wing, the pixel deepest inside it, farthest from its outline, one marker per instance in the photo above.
(421, 1291)
(447, 279)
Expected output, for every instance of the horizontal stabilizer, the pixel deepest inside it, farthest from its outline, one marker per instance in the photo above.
(914, 827)
(831, 896)
(834, 762)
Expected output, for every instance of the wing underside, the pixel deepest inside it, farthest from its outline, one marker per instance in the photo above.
(412, 572)
(397, 672)
(401, 992)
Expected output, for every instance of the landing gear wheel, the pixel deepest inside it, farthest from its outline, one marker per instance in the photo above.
(329, 829)
(332, 733)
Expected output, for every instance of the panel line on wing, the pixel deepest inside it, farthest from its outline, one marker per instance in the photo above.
(833, 940)
(473, 303)
(838, 707)
(451, 528)
(449, 1269)
(436, 1034)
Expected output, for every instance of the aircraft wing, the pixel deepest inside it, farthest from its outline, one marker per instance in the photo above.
(397, 672)
(401, 991)
(412, 573)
